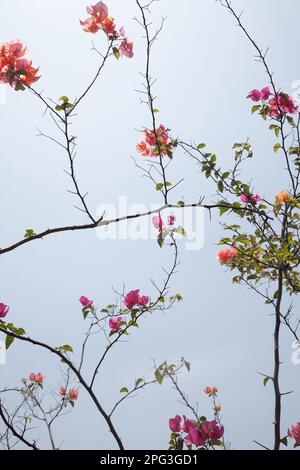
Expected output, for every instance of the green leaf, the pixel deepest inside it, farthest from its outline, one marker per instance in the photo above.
(224, 209)
(159, 377)
(181, 231)
(29, 233)
(64, 98)
(221, 186)
(159, 186)
(180, 203)
(66, 348)
(116, 53)
(124, 390)
(277, 147)
(58, 108)
(9, 341)
(138, 381)
(266, 380)
(201, 146)
(155, 110)
(255, 108)
(187, 365)
(284, 441)
(168, 184)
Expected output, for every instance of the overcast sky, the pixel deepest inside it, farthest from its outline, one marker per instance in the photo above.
(205, 68)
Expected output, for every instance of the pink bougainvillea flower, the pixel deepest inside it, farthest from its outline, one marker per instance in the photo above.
(282, 197)
(260, 95)
(4, 309)
(114, 323)
(109, 27)
(211, 390)
(144, 149)
(188, 424)
(73, 394)
(131, 299)
(90, 25)
(134, 298)
(196, 437)
(122, 32)
(171, 219)
(294, 433)
(212, 430)
(175, 424)
(15, 68)
(226, 256)
(282, 104)
(62, 391)
(255, 95)
(126, 48)
(254, 199)
(85, 302)
(99, 11)
(158, 222)
(37, 378)
(265, 93)
(217, 409)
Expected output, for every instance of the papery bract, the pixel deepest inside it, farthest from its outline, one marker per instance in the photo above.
(73, 394)
(175, 424)
(158, 222)
(4, 309)
(294, 433)
(282, 197)
(85, 302)
(126, 48)
(114, 323)
(212, 430)
(226, 256)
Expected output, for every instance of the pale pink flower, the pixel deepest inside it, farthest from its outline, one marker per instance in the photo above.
(158, 222)
(294, 433)
(99, 11)
(126, 48)
(4, 309)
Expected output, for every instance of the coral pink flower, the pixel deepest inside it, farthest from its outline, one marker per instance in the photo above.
(144, 149)
(282, 197)
(99, 11)
(114, 323)
(73, 394)
(217, 408)
(211, 390)
(37, 378)
(226, 256)
(15, 68)
(126, 48)
(171, 219)
(212, 430)
(175, 424)
(62, 391)
(109, 27)
(158, 222)
(85, 302)
(4, 309)
(294, 433)
(90, 25)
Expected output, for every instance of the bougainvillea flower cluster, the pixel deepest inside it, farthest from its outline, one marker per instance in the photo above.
(36, 378)
(134, 299)
(294, 433)
(71, 395)
(159, 223)
(197, 434)
(99, 20)
(226, 256)
(156, 143)
(276, 105)
(4, 309)
(115, 323)
(210, 391)
(250, 198)
(15, 67)
(282, 197)
(85, 302)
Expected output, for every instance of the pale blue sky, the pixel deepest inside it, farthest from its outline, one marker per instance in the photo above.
(205, 68)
